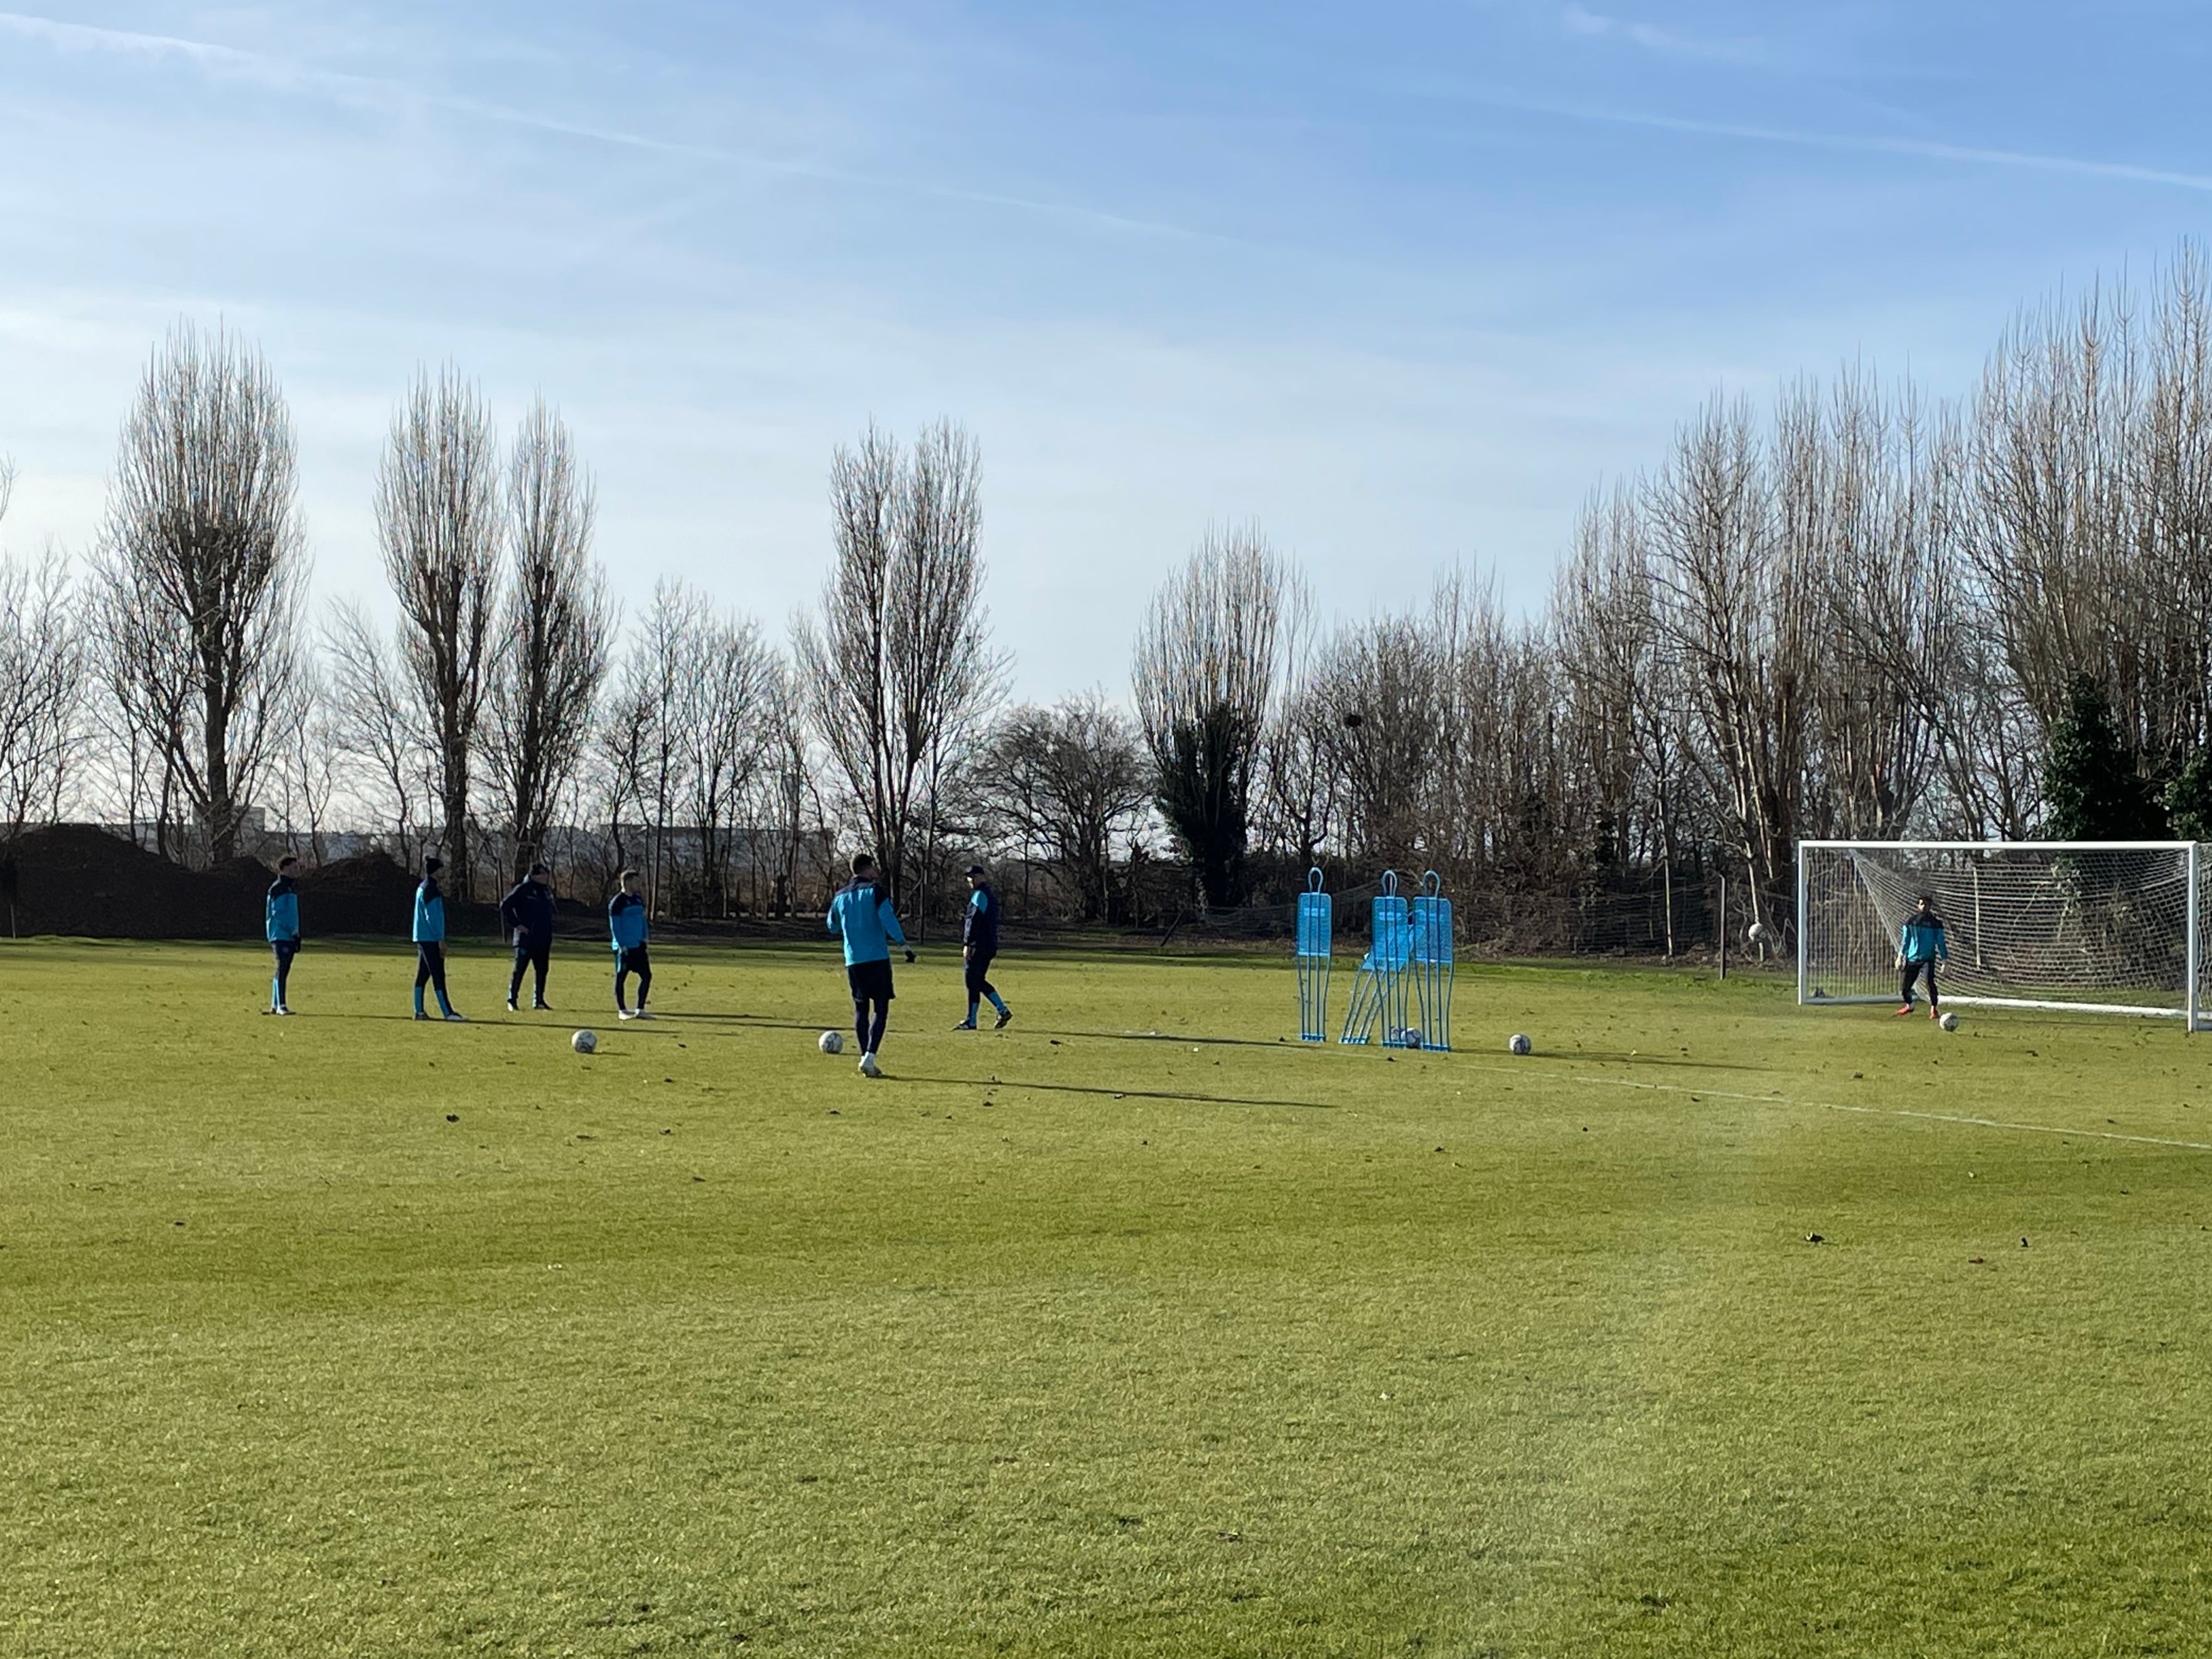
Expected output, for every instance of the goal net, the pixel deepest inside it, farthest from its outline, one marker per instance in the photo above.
(2098, 927)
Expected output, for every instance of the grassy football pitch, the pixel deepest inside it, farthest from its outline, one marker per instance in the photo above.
(344, 1335)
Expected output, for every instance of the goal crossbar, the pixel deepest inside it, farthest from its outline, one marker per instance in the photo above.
(2095, 928)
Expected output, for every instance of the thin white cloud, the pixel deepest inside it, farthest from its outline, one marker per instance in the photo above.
(361, 91)
(83, 38)
(1579, 20)
(1855, 144)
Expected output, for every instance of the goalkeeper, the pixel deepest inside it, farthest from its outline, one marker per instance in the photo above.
(1920, 946)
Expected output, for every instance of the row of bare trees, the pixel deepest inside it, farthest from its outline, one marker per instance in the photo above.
(1856, 611)
(1859, 612)
(506, 712)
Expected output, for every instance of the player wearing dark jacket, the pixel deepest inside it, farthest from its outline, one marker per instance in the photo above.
(526, 912)
(979, 944)
(280, 922)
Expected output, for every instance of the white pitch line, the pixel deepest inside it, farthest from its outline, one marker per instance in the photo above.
(1779, 1098)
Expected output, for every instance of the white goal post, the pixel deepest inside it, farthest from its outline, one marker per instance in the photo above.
(2108, 928)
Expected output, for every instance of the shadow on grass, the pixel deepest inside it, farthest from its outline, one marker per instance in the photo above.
(1677, 1062)
(1108, 1092)
(403, 1018)
(751, 1021)
(1192, 1037)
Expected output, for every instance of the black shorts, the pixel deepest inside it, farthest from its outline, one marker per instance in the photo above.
(977, 971)
(635, 960)
(871, 981)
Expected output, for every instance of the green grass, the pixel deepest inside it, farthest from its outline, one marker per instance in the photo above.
(345, 1335)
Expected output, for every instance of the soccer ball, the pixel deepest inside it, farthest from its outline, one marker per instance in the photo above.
(1519, 1043)
(1758, 935)
(832, 1042)
(1410, 1038)
(585, 1042)
(1949, 1022)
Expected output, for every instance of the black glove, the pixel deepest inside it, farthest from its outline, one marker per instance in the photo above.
(910, 955)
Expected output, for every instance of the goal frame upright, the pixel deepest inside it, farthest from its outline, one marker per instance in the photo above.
(2190, 1011)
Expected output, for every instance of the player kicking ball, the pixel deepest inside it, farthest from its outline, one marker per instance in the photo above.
(1920, 946)
(627, 925)
(861, 916)
(979, 943)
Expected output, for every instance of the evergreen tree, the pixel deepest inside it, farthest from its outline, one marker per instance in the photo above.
(2188, 798)
(2092, 789)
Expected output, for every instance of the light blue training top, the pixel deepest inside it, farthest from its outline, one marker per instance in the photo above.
(282, 911)
(1923, 941)
(429, 913)
(626, 921)
(864, 919)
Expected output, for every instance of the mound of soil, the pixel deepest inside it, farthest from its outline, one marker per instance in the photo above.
(74, 879)
(368, 893)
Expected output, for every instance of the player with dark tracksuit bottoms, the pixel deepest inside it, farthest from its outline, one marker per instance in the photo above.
(430, 939)
(1920, 946)
(862, 916)
(281, 918)
(526, 912)
(979, 944)
(627, 924)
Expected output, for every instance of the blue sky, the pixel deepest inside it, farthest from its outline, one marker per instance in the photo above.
(1401, 282)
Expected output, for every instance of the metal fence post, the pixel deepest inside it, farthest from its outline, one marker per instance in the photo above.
(1723, 927)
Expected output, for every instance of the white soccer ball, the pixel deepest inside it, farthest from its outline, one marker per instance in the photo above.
(832, 1042)
(1519, 1043)
(1949, 1022)
(1759, 932)
(1412, 1035)
(585, 1042)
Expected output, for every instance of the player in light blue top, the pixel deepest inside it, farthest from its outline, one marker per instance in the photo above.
(861, 916)
(430, 939)
(627, 928)
(281, 917)
(1920, 946)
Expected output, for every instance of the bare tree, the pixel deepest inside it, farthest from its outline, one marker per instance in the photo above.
(897, 668)
(553, 630)
(43, 665)
(305, 777)
(1301, 789)
(1734, 556)
(616, 765)
(202, 526)
(1497, 809)
(437, 515)
(646, 753)
(143, 666)
(1382, 685)
(378, 732)
(1208, 660)
(725, 735)
(1605, 637)
(785, 794)
(1069, 781)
